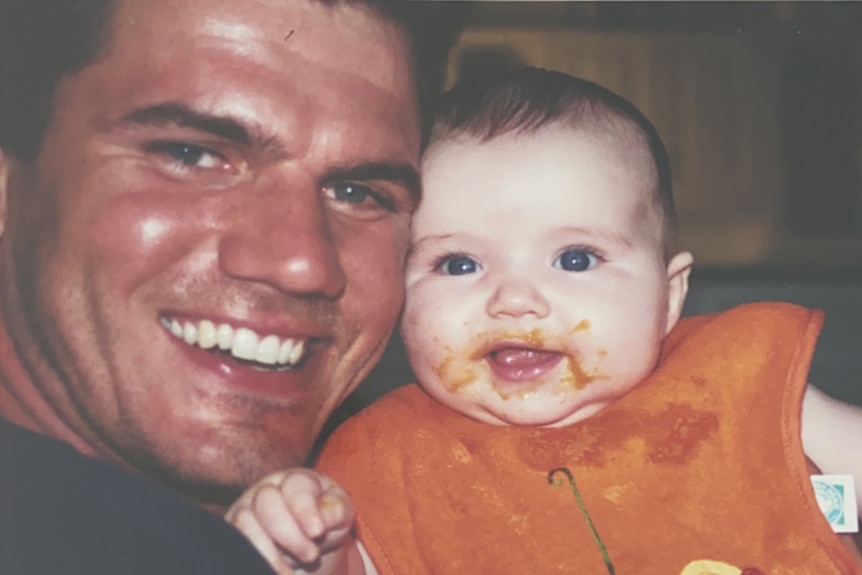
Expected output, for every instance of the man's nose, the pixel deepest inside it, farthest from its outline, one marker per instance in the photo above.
(282, 237)
(516, 296)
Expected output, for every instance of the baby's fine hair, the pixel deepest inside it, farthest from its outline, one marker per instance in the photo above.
(522, 101)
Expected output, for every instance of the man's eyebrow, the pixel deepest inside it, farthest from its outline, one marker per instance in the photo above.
(400, 173)
(183, 116)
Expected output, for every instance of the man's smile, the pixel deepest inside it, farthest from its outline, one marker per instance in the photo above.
(268, 351)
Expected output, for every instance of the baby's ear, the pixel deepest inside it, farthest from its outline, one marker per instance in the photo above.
(678, 270)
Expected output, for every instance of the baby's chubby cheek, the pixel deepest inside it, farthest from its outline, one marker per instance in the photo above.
(455, 371)
(437, 361)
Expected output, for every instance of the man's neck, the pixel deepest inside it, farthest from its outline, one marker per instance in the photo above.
(22, 403)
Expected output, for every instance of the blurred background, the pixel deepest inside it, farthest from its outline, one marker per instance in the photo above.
(760, 106)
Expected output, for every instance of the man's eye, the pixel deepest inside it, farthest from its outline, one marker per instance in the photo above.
(185, 155)
(351, 193)
(575, 260)
(358, 194)
(458, 266)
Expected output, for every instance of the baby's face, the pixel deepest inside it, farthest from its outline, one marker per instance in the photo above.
(537, 291)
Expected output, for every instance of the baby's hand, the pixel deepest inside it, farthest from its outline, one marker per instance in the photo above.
(296, 518)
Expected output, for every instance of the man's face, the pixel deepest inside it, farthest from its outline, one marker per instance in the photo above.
(206, 256)
(537, 291)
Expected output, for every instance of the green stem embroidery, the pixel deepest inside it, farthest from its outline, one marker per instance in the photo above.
(558, 482)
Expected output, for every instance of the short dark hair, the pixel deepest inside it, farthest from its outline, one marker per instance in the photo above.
(521, 101)
(433, 28)
(43, 41)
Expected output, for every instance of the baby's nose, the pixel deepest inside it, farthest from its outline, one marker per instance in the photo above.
(516, 297)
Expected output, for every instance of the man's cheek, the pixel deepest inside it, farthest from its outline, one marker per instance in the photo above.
(375, 265)
(139, 231)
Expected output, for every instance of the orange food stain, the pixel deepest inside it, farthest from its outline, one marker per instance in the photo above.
(679, 430)
(672, 436)
(455, 374)
(577, 377)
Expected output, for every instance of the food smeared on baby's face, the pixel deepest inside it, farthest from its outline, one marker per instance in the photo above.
(518, 361)
(577, 377)
(454, 373)
(539, 308)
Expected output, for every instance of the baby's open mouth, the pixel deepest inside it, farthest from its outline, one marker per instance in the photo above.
(518, 363)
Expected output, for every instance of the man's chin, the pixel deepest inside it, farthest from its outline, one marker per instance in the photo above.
(217, 484)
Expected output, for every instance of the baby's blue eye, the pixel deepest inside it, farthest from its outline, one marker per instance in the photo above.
(459, 266)
(575, 260)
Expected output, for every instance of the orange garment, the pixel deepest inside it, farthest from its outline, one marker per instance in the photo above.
(703, 461)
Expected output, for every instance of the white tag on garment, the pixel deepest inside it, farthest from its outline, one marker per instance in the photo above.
(836, 496)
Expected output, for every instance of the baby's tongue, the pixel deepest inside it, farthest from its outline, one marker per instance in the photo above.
(522, 357)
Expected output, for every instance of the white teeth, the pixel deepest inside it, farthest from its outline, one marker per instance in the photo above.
(225, 337)
(207, 335)
(267, 350)
(242, 343)
(290, 351)
(285, 350)
(298, 348)
(190, 333)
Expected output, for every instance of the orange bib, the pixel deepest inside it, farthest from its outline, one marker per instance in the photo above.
(698, 471)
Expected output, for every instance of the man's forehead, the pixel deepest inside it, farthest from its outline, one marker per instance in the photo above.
(254, 21)
(337, 43)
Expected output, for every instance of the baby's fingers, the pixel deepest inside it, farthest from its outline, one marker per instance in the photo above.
(281, 521)
(246, 521)
(302, 494)
(337, 512)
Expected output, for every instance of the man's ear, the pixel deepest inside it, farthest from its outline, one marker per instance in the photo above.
(678, 270)
(4, 185)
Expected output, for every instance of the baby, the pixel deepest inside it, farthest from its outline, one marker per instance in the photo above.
(565, 419)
